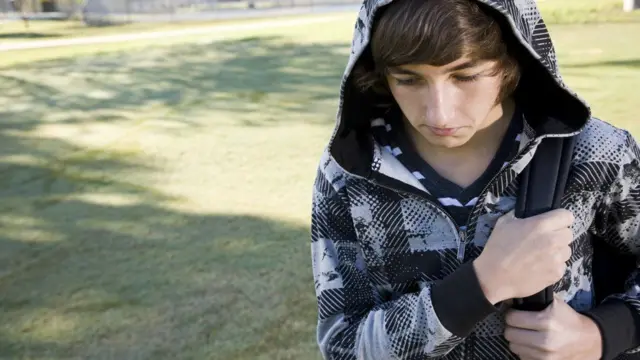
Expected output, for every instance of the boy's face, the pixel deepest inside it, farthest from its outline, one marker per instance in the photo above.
(448, 104)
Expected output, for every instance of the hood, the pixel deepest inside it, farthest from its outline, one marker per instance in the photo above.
(551, 108)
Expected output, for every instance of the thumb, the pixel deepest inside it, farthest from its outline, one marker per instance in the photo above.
(557, 298)
(558, 303)
(511, 215)
(555, 304)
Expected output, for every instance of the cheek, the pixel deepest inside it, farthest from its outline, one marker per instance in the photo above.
(411, 101)
(486, 91)
(480, 97)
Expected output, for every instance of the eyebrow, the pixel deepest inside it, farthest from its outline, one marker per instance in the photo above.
(401, 71)
(462, 66)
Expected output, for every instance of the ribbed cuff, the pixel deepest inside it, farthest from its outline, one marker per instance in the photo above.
(619, 326)
(459, 301)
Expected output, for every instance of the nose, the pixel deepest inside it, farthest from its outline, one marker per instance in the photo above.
(439, 106)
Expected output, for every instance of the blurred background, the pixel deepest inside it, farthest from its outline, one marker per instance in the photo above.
(157, 160)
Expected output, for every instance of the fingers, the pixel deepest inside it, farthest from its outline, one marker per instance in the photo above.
(528, 353)
(510, 216)
(563, 236)
(564, 253)
(558, 300)
(520, 336)
(520, 319)
(529, 344)
(559, 244)
(527, 320)
(553, 220)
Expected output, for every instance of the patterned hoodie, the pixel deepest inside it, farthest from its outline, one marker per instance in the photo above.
(393, 275)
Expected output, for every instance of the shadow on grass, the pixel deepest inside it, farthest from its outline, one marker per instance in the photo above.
(140, 281)
(93, 265)
(28, 35)
(259, 81)
(630, 63)
(256, 81)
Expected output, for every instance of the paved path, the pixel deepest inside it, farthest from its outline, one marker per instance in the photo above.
(218, 29)
(227, 14)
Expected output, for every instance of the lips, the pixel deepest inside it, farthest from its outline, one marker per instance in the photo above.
(442, 131)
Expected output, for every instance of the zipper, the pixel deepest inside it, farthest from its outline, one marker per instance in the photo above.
(464, 350)
(463, 232)
(460, 231)
(463, 244)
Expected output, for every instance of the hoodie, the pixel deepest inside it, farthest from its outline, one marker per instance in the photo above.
(392, 270)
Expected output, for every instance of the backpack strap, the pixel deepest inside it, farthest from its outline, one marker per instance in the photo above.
(542, 185)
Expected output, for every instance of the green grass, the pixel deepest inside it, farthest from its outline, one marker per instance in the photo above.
(585, 11)
(155, 203)
(157, 222)
(15, 31)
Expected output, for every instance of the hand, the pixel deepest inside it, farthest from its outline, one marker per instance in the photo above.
(524, 256)
(558, 333)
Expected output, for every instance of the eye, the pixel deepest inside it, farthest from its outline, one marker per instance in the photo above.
(407, 81)
(463, 78)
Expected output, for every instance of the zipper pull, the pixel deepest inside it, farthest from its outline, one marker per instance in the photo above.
(462, 245)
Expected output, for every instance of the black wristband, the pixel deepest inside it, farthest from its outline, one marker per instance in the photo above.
(459, 301)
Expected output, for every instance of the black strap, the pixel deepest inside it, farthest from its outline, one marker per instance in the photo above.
(541, 188)
(542, 185)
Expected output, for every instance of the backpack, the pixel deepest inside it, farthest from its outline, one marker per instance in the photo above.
(542, 185)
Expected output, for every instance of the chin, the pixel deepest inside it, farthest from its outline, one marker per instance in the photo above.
(447, 142)
(450, 144)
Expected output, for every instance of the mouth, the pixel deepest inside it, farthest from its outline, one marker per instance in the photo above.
(442, 131)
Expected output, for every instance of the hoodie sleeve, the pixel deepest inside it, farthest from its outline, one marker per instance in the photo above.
(353, 320)
(618, 316)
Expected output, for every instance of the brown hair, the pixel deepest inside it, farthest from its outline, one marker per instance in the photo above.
(434, 32)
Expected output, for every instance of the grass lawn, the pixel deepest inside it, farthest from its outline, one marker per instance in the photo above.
(15, 31)
(585, 11)
(155, 204)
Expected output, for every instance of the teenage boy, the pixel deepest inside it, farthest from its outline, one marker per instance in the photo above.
(416, 251)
